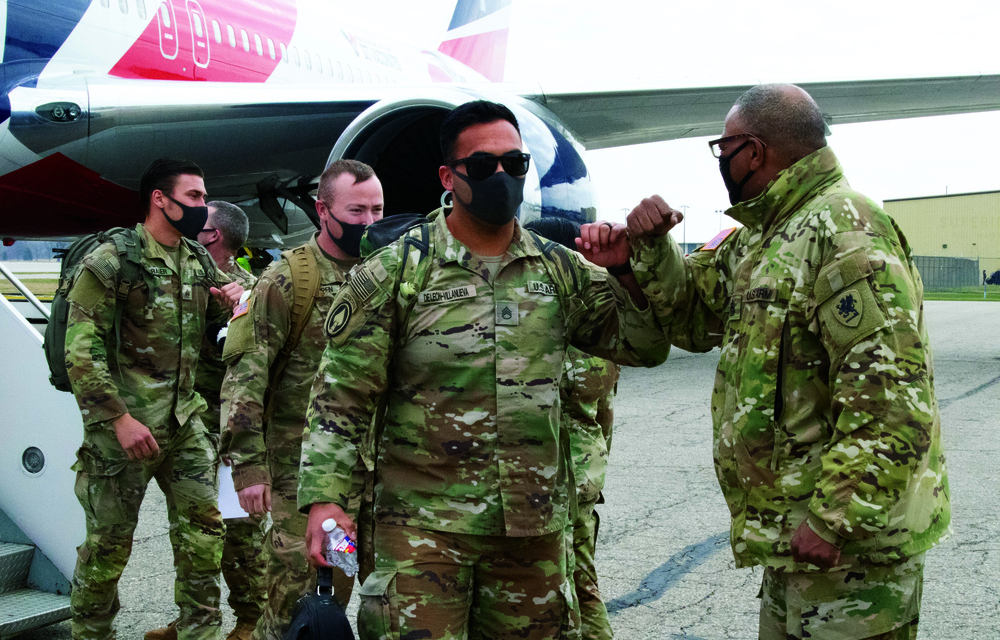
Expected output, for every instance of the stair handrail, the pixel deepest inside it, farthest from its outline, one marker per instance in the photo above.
(30, 297)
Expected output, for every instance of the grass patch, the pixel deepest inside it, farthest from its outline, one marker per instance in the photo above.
(42, 287)
(965, 294)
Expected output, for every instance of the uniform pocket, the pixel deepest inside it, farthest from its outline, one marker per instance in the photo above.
(97, 488)
(376, 615)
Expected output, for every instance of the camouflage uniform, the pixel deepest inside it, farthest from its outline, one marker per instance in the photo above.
(823, 409)
(151, 376)
(243, 566)
(269, 454)
(587, 395)
(471, 467)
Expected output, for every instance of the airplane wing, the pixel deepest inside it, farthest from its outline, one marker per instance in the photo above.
(602, 119)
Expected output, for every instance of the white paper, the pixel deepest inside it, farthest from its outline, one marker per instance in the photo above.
(229, 502)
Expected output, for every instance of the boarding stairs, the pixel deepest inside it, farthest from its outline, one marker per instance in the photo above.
(41, 522)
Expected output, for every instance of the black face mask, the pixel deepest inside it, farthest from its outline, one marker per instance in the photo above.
(192, 220)
(494, 200)
(350, 240)
(735, 190)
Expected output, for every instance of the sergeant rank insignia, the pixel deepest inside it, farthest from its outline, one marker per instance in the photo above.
(507, 313)
(848, 308)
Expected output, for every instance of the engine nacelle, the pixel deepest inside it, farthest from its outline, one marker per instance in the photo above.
(399, 139)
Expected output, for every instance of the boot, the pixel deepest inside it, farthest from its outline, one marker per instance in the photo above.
(168, 632)
(242, 631)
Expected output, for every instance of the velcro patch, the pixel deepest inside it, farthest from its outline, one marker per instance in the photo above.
(163, 271)
(339, 317)
(363, 283)
(734, 308)
(761, 294)
(715, 242)
(330, 289)
(448, 295)
(241, 309)
(543, 288)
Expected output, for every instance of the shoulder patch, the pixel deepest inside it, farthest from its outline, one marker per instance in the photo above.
(717, 241)
(849, 308)
(340, 316)
(364, 280)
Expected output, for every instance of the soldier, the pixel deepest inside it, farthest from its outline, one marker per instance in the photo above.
(458, 348)
(587, 395)
(134, 382)
(243, 565)
(827, 434)
(270, 374)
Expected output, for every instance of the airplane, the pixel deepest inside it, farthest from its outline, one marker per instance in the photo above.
(262, 95)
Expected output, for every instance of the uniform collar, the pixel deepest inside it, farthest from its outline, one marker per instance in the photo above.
(153, 250)
(789, 189)
(450, 249)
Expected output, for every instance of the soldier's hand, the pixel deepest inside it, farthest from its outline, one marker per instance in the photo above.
(604, 243)
(229, 295)
(318, 513)
(135, 438)
(255, 499)
(652, 218)
(807, 546)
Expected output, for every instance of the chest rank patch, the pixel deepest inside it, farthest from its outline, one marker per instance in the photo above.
(848, 308)
(761, 294)
(543, 288)
(507, 313)
(339, 317)
(448, 295)
(186, 292)
(734, 307)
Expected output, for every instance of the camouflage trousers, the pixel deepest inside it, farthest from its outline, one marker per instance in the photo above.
(110, 488)
(438, 585)
(289, 575)
(878, 602)
(244, 567)
(594, 621)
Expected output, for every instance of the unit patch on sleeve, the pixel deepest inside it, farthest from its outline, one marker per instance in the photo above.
(848, 308)
(339, 317)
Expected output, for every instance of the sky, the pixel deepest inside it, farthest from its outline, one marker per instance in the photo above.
(588, 45)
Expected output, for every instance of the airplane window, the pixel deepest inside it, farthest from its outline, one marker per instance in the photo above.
(350, 73)
(231, 34)
(215, 29)
(164, 15)
(284, 52)
(368, 77)
(246, 39)
(318, 63)
(198, 30)
(328, 67)
(258, 44)
(307, 60)
(340, 71)
(105, 3)
(123, 5)
(140, 7)
(295, 55)
(270, 48)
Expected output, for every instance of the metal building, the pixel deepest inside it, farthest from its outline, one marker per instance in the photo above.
(954, 237)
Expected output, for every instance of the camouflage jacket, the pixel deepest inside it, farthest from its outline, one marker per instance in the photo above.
(823, 408)
(151, 374)
(211, 370)
(467, 374)
(253, 343)
(587, 393)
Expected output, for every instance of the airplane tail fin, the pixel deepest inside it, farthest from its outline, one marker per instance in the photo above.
(477, 36)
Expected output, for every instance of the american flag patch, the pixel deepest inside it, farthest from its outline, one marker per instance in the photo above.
(714, 243)
(363, 284)
(240, 310)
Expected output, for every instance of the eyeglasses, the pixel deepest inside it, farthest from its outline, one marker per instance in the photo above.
(482, 166)
(714, 145)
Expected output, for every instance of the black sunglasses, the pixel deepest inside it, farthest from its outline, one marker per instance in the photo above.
(482, 166)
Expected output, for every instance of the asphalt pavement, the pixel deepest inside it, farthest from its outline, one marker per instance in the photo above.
(663, 556)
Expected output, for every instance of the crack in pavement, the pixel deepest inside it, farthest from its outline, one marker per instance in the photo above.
(665, 576)
(968, 394)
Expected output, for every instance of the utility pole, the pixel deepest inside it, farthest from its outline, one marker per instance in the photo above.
(684, 236)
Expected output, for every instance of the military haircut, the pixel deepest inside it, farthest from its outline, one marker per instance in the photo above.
(232, 222)
(559, 230)
(466, 115)
(356, 168)
(783, 118)
(162, 174)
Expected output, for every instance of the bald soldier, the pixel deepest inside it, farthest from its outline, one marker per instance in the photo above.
(271, 371)
(827, 434)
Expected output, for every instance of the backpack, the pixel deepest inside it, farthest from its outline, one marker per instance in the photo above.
(318, 616)
(129, 249)
(305, 286)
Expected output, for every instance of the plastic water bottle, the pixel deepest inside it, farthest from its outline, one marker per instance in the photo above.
(340, 549)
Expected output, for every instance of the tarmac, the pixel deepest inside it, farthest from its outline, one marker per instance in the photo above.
(665, 565)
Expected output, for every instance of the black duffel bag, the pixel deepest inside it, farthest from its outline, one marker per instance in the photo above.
(318, 616)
